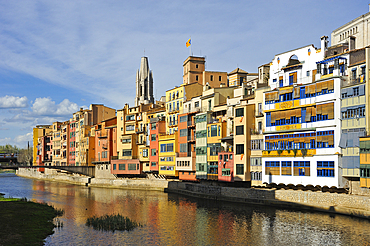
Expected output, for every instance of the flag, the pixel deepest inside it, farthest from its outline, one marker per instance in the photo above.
(188, 43)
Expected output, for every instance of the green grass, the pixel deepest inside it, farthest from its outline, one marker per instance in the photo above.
(25, 223)
(112, 223)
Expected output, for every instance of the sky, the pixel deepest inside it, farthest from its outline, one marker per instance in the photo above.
(59, 56)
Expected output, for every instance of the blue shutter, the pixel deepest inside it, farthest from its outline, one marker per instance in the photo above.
(362, 90)
(303, 115)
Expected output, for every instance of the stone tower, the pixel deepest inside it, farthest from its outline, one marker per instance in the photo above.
(144, 84)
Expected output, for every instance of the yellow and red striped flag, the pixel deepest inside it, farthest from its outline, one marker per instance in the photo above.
(188, 43)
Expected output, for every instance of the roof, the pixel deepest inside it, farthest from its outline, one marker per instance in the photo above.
(238, 70)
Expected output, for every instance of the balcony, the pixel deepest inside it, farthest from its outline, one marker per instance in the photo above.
(191, 138)
(288, 153)
(191, 123)
(359, 80)
(172, 123)
(257, 132)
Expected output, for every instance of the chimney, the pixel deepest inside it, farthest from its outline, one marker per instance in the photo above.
(324, 43)
(352, 43)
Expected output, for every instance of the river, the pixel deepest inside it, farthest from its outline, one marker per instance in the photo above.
(175, 220)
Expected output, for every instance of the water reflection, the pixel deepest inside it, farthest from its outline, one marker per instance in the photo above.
(175, 220)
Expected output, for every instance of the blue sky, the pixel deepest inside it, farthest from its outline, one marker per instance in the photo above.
(58, 56)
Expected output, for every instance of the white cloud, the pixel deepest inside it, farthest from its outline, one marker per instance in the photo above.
(13, 102)
(20, 140)
(44, 111)
(46, 107)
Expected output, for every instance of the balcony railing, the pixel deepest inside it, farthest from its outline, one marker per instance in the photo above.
(257, 132)
(352, 81)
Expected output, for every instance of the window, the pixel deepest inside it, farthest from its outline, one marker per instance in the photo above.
(153, 126)
(130, 117)
(325, 169)
(214, 131)
(126, 152)
(239, 149)
(131, 166)
(281, 84)
(130, 128)
(184, 147)
(354, 73)
(196, 66)
(196, 77)
(219, 78)
(121, 166)
(239, 130)
(114, 166)
(239, 112)
(183, 132)
(145, 152)
(154, 137)
(239, 169)
(167, 147)
(153, 164)
(196, 104)
(153, 152)
(308, 73)
(184, 118)
(211, 78)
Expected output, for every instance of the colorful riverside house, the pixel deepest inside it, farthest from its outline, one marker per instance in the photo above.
(127, 148)
(57, 143)
(201, 144)
(72, 142)
(303, 124)
(365, 162)
(243, 123)
(185, 162)
(64, 144)
(257, 143)
(168, 148)
(39, 131)
(157, 127)
(353, 110)
(226, 166)
(216, 130)
(105, 141)
(174, 101)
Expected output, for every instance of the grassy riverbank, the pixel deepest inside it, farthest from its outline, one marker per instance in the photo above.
(24, 222)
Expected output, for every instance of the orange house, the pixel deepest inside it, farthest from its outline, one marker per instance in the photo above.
(105, 141)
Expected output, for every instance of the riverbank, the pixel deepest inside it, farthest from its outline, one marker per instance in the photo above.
(25, 223)
(352, 205)
(121, 183)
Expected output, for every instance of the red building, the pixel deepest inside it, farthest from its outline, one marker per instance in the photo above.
(185, 162)
(72, 143)
(226, 166)
(157, 127)
(105, 141)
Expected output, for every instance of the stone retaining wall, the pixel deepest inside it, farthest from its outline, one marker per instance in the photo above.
(295, 199)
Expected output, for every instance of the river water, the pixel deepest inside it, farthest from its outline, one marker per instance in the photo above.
(175, 220)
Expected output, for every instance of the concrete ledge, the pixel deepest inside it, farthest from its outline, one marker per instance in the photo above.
(352, 205)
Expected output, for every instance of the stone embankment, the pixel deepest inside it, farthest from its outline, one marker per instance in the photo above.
(353, 205)
(53, 175)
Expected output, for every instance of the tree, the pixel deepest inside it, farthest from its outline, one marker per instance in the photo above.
(25, 156)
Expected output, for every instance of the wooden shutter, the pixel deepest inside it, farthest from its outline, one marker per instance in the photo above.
(298, 112)
(313, 111)
(331, 85)
(314, 75)
(308, 114)
(318, 109)
(330, 111)
(296, 92)
(318, 87)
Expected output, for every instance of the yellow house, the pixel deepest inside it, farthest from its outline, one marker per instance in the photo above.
(215, 131)
(167, 154)
(39, 131)
(174, 104)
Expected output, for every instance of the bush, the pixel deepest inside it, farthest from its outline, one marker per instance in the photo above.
(112, 223)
